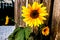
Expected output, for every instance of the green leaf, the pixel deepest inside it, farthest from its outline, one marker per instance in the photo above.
(27, 32)
(12, 36)
(18, 34)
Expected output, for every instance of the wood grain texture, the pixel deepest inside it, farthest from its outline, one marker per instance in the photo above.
(23, 3)
(56, 19)
(18, 8)
(47, 3)
(16, 16)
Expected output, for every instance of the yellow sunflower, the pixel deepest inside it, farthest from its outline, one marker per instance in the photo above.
(45, 31)
(7, 20)
(35, 14)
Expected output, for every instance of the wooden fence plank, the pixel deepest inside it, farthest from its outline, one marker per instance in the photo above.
(23, 3)
(16, 16)
(18, 7)
(47, 3)
(56, 19)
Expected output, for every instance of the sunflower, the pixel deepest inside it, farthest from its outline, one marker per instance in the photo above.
(45, 31)
(35, 14)
(7, 20)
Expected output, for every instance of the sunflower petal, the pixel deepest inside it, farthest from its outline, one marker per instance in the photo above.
(43, 8)
(31, 24)
(43, 14)
(35, 5)
(29, 6)
(43, 18)
(39, 21)
(25, 15)
(26, 10)
(26, 19)
(40, 5)
(23, 7)
(35, 23)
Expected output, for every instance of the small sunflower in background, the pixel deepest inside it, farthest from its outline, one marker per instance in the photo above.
(45, 31)
(35, 14)
(7, 20)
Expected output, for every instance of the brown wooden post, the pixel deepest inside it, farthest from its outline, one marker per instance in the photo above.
(18, 8)
(47, 3)
(56, 20)
(23, 3)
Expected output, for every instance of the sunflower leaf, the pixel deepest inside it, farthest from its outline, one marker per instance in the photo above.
(18, 34)
(27, 32)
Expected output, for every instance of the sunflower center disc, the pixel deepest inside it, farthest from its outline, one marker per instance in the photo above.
(34, 14)
(45, 30)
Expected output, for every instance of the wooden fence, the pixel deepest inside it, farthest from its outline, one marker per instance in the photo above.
(53, 8)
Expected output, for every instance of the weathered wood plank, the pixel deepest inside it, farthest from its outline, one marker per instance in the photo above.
(56, 19)
(16, 16)
(18, 8)
(47, 3)
(23, 3)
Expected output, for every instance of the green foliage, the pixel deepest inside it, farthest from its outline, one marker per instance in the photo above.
(20, 34)
(27, 32)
